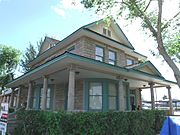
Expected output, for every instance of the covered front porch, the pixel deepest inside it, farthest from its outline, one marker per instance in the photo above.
(75, 83)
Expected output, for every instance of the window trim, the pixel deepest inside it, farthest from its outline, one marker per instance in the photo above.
(115, 60)
(129, 60)
(97, 46)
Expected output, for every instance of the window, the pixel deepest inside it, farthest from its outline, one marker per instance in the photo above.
(95, 96)
(112, 57)
(99, 53)
(109, 33)
(129, 62)
(71, 49)
(112, 96)
(106, 32)
(48, 99)
(37, 97)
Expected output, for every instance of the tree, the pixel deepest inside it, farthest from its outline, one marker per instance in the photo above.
(30, 54)
(9, 59)
(164, 31)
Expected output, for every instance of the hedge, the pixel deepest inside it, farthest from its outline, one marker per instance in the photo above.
(89, 123)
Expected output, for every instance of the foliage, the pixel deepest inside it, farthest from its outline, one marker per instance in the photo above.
(165, 31)
(9, 59)
(30, 54)
(89, 123)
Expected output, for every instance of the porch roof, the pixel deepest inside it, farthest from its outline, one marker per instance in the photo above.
(64, 60)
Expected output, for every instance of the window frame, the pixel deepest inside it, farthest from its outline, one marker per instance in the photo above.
(95, 96)
(129, 59)
(111, 60)
(99, 56)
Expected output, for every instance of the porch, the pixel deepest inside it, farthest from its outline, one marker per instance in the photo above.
(75, 83)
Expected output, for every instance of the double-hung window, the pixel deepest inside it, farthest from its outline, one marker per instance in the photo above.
(112, 57)
(95, 96)
(99, 53)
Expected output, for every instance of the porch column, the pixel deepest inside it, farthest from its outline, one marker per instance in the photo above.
(170, 100)
(71, 90)
(138, 98)
(44, 93)
(29, 95)
(11, 98)
(152, 96)
(18, 98)
(4, 99)
(121, 95)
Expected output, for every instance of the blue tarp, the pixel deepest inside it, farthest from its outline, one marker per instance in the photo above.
(171, 126)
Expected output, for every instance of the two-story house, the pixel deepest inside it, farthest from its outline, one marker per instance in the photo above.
(93, 69)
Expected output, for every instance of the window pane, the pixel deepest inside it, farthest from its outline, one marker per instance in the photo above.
(112, 89)
(99, 51)
(34, 102)
(104, 31)
(48, 103)
(129, 62)
(109, 33)
(95, 96)
(112, 103)
(99, 58)
(112, 55)
(95, 102)
(95, 89)
(111, 62)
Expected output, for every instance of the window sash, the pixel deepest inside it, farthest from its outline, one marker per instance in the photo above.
(95, 96)
(99, 53)
(112, 57)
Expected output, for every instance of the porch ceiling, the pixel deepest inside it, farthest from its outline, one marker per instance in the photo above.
(88, 68)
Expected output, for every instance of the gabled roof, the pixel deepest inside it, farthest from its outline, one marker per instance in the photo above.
(116, 28)
(147, 67)
(85, 31)
(48, 40)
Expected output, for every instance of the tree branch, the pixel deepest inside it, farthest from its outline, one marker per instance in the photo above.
(147, 6)
(146, 19)
(170, 20)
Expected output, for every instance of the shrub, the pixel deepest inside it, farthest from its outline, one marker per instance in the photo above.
(89, 123)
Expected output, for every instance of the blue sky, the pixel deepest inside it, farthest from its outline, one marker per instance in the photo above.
(24, 21)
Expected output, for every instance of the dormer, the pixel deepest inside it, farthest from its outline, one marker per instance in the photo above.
(47, 44)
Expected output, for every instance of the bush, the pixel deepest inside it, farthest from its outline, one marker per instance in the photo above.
(89, 123)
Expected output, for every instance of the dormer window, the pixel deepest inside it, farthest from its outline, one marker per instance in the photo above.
(106, 32)
(129, 62)
(71, 49)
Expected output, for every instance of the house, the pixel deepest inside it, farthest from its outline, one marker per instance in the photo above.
(95, 68)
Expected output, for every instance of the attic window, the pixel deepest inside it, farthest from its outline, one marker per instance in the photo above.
(109, 33)
(129, 62)
(106, 32)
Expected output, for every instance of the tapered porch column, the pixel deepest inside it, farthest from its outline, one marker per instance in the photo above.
(18, 98)
(170, 100)
(71, 90)
(11, 98)
(121, 95)
(44, 93)
(152, 96)
(138, 97)
(29, 95)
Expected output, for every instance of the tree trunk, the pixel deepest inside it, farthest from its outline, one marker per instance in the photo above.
(161, 48)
